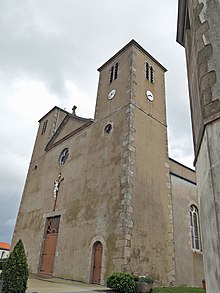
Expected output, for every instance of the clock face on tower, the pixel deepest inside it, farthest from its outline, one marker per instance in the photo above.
(149, 95)
(111, 94)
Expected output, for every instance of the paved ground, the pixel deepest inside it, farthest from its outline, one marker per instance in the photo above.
(37, 284)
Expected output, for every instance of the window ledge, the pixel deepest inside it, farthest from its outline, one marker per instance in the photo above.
(197, 251)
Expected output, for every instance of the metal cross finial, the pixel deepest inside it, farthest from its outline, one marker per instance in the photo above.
(74, 110)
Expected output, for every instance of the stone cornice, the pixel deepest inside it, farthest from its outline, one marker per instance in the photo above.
(181, 22)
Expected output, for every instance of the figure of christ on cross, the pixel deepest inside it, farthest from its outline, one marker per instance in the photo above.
(56, 190)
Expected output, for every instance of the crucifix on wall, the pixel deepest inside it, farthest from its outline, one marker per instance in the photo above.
(56, 189)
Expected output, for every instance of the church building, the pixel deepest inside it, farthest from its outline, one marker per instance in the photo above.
(102, 194)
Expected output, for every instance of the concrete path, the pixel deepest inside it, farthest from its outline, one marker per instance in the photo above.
(38, 284)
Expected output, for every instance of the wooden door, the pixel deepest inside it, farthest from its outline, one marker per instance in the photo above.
(50, 243)
(97, 263)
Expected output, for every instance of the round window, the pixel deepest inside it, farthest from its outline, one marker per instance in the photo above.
(63, 156)
(108, 128)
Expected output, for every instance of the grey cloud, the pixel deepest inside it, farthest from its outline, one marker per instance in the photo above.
(8, 215)
(13, 171)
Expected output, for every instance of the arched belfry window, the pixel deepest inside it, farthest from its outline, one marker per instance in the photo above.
(116, 71)
(113, 74)
(195, 231)
(149, 72)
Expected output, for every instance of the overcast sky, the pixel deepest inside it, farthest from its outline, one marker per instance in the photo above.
(49, 54)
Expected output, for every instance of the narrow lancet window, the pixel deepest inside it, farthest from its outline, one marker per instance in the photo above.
(111, 74)
(147, 71)
(116, 71)
(151, 74)
(194, 223)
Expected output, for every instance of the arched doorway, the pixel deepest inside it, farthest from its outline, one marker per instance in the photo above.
(49, 248)
(97, 262)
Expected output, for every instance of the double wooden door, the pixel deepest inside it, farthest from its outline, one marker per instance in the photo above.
(50, 243)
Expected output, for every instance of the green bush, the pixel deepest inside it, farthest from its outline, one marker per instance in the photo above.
(15, 270)
(2, 262)
(121, 282)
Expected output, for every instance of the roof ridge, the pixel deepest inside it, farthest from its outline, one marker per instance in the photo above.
(137, 45)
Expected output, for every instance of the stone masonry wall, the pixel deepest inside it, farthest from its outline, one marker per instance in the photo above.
(203, 46)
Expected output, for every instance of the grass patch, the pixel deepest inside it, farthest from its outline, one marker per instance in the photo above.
(179, 290)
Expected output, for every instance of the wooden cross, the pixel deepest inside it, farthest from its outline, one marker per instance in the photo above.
(56, 189)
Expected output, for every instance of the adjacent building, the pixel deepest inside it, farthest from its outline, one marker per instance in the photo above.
(4, 250)
(199, 32)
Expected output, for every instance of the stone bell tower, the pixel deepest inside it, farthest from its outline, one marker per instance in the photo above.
(132, 89)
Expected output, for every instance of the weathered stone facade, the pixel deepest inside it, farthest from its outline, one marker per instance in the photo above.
(199, 33)
(117, 183)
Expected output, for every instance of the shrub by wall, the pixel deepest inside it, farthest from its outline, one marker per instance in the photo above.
(2, 262)
(15, 270)
(121, 282)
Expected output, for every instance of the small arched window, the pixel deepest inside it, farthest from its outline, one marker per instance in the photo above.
(195, 231)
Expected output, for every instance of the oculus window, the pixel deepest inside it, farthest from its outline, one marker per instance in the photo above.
(63, 156)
